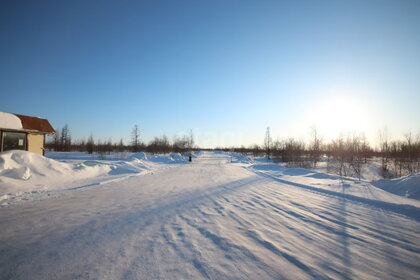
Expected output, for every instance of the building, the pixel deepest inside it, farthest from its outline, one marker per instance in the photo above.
(18, 132)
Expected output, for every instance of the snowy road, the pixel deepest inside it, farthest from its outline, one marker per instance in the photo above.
(207, 220)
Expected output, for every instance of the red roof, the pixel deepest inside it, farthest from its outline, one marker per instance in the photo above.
(36, 124)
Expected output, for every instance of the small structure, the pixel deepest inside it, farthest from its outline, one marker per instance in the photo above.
(18, 132)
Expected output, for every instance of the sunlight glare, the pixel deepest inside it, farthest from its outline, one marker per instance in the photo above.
(339, 114)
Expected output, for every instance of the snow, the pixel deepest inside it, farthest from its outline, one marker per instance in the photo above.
(220, 217)
(327, 183)
(408, 186)
(240, 158)
(369, 171)
(163, 159)
(25, 175)
(9, 121)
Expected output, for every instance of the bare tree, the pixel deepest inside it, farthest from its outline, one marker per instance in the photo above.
(338, 152)
(90, 145)
(268, 143)
(384, 149)
(108, 146)
(100, 149)
(159, 145)
(355, 158)
(315, 147)
(255, 150)
(409, 148)
(179, 144)
(65, 139)
(293, 152)
(135, 139)
(120, 146)
(56, 140)
(277, 150)
(366, 150)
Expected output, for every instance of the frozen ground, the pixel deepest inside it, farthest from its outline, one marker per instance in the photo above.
(217, 218)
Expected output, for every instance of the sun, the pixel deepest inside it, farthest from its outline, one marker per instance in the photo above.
(339, 114)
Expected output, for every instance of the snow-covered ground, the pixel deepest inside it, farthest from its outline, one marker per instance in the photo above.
(408, 186)
(370, 171)
(28, 176)
(220, 217)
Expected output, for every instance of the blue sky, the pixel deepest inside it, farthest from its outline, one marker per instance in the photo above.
(226, 69)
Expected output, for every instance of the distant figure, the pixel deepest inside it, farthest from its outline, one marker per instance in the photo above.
(190, 158)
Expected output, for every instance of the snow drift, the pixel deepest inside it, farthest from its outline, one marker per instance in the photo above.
(22, 165)
(22, 171)
(23, 174)
(408, 186)
(167, 159)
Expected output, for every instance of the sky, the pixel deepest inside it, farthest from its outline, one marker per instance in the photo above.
(225, 69)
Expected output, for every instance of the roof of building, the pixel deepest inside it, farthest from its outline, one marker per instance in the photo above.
(27, 123)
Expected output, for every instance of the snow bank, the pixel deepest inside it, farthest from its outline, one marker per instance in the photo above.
(369, 171)
(177, 157)
(352, 188)
(240, 158)
(370, 177)
(408, 186)
(140, 156)
(162, 159)
(22, 165)
(23, 173)
(70, 156)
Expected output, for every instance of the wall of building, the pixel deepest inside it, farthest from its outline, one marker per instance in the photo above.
(36, 143)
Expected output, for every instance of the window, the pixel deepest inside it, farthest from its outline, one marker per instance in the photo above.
(13, 141)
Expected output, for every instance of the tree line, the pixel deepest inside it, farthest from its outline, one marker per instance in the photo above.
(344, 155)
(62, 141)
